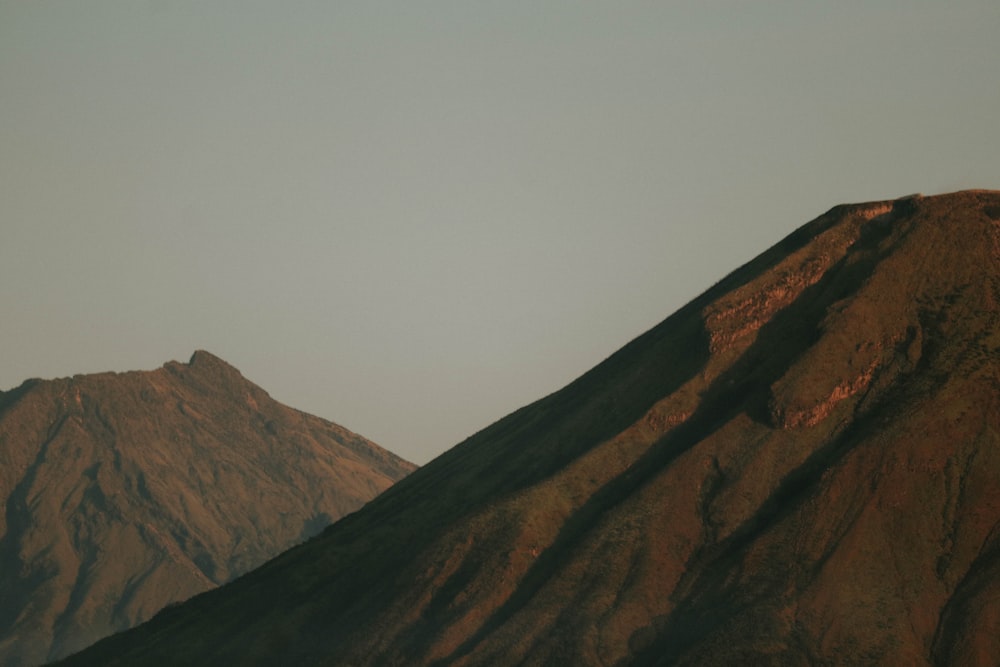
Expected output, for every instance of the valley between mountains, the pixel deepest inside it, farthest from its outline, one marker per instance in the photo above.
(799, 467)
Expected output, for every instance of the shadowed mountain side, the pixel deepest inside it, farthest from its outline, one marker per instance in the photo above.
(800, 467)
(123, 493)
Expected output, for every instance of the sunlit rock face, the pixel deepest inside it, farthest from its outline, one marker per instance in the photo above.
(800, 467)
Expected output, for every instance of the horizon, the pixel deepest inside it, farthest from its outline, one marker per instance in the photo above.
(412, 221)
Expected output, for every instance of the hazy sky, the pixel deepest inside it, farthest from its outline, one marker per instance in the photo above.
(412, 218)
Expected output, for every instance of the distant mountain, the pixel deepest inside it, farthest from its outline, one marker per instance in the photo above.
(800, 467)
(123, 493)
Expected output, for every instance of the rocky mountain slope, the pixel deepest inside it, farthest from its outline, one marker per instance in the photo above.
(123, 493)
(800, 467)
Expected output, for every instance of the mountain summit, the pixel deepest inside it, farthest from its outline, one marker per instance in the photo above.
(125, 492)
(799, 467)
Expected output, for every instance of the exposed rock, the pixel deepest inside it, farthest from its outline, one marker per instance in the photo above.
(800, 467)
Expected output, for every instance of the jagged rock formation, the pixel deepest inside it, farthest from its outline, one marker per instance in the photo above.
(123, 493)
(800, 467)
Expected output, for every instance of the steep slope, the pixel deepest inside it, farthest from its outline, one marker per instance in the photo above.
(800, 467)
(125, 492)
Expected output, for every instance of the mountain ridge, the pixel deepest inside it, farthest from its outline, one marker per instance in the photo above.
(801, 466)
(124, 492)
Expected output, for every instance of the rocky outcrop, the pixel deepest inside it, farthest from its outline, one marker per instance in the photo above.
(123, 493)
(800, 467)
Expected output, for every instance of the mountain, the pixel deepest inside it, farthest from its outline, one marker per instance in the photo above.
(799, 467)
(123, 493)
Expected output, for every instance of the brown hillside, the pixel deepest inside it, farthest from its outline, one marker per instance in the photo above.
(123, 493)
(800, 467)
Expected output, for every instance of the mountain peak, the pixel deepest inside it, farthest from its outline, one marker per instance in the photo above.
(799, 467)
(205, 362)
(207, 369)
(205, 358)
(125, 492)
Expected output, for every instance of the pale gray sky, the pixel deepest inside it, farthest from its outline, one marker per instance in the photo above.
(412, 218)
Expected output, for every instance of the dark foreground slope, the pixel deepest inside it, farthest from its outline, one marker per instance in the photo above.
(125, 492)
(800, 467)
